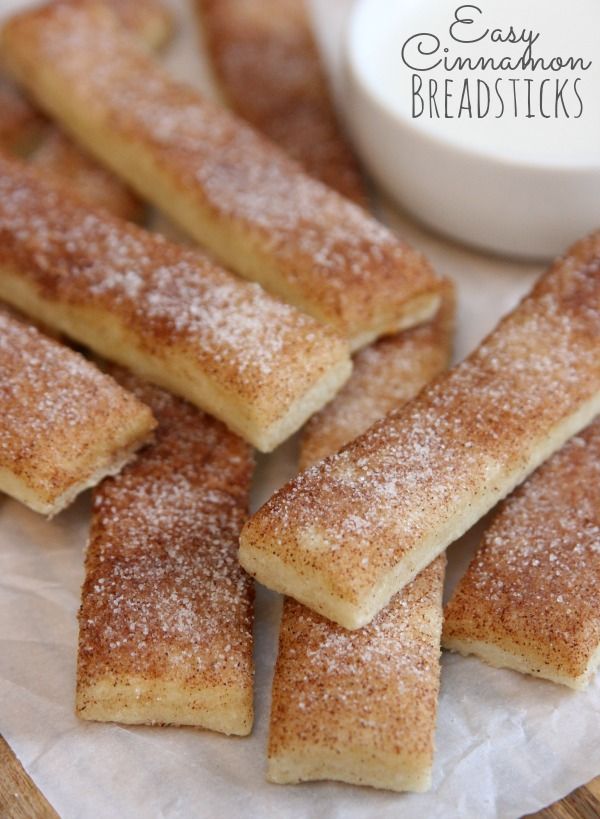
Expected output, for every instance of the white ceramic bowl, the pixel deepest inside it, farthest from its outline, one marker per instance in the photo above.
(493, 196)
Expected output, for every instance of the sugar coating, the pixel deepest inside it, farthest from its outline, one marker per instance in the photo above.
(385, 376)
(329, 255)
(268, 69)
(20, 123)
(60, 417)
(81, 175)
(534, 585)
(164, 597)
(361, 513)
(149, 20)
(374, 688)
(254, 346)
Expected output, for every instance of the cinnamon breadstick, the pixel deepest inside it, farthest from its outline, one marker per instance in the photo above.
(64, 425)
(385, 375)
(530, 599)
(166, 616)
(69, 166)
(347, 534)
(21, 127)
(232, 189)
(151, 21)
(168, 313)
(360, 706)
(268, 70)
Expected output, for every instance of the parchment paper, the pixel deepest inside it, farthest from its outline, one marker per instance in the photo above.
(507, 744)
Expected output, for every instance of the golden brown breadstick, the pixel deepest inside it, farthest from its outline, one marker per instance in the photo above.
(232, 189)
(530, 599)
(360, 706)
(268, 70)
(166, 616)
(64, 425)
(21, 127)
(166, 312)
(69, 166)
(385, 376)
(347, 534)
(151, 21)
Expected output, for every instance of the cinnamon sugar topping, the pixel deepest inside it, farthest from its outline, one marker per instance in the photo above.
(164, 596)
(268, 68)
(534, 585)
(299, 237)
(60, 417)
(375, 688)
(460, 445)
(261, 352)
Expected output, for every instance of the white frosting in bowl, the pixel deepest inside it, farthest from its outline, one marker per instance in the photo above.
(494, 105)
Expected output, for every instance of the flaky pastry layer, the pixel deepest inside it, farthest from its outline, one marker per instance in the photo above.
(166, 614)
(168, 313)
(64, 425)
(530, 599)
(268, 70)
(229, 187)
(347, 534)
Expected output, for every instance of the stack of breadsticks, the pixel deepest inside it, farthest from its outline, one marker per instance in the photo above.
(245, 340)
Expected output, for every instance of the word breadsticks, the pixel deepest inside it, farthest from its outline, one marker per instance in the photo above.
(347, 534)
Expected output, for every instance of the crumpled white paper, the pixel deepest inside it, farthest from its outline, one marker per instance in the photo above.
(507, 744)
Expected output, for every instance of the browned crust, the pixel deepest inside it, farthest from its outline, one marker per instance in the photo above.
(385, 376)
(361, 706)
(230, 187)
(68, 166)
(169, 312)
(346, 534)
(63, 423)
(151, 21)
(24, 129)
(533, 588)
(21, 126)
(165, 604)
(268, 69)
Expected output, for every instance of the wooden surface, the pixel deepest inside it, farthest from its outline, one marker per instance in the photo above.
(584, 803)
(20, 799)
